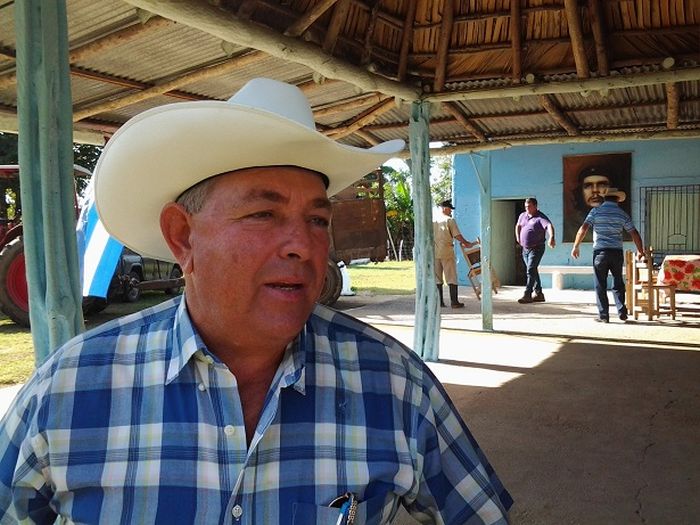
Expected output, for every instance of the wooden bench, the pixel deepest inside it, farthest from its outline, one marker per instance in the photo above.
(558, 272)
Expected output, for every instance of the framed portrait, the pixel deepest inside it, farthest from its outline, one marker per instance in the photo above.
(587, 179)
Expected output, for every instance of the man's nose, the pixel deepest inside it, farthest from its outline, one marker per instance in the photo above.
(299, 240)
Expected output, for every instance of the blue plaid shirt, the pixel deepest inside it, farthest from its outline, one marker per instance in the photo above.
(137, 422)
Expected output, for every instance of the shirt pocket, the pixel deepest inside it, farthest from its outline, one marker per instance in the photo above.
(375, 511)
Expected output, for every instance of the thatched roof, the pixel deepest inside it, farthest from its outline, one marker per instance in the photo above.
(567, 71)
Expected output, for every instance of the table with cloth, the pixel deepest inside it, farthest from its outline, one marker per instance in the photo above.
(683, 271)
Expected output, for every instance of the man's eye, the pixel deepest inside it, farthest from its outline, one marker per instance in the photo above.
(260, 215)
(321, 221)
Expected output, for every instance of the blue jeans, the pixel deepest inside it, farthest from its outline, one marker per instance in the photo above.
(532, 258)
(604, 261)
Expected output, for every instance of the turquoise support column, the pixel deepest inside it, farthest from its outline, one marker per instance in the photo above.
(482, 170)
(426, 337)
(46, 173)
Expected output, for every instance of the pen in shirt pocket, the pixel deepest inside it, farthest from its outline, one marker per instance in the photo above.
(347, 503)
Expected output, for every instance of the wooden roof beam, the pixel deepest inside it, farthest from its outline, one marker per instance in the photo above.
(516, 40)
(349, 104)
(599, 37)
(361, 120)
(112, 40)
(471, 17)
(558, 115)
(469, 125)
(226, 26)
(573, 19)
(117, 38)
(505, 143)
(369, 33)
(443, 45)
(406, 39)
(367, 137)
(673, 103)
(307, 19)
(572, 86)
(340, 14)
(158, 89)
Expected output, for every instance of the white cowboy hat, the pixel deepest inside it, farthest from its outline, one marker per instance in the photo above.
(162, 152)
(615, 192)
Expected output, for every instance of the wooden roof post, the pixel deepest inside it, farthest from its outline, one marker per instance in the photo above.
(426, 336)
(46, 174)
(482, 170)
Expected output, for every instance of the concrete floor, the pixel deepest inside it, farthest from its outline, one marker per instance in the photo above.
(585, 423)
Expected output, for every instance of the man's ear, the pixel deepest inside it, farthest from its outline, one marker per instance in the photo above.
(175, 226)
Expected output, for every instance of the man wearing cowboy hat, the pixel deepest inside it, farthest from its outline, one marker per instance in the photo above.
(242, 401)
(608, 222)
(445, 231)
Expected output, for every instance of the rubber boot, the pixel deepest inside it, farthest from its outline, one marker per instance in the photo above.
(440, 296)
(453, 297)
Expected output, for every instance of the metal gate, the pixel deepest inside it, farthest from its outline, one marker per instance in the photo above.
(671, 219)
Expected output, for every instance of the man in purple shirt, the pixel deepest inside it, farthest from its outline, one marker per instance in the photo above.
(530, 234)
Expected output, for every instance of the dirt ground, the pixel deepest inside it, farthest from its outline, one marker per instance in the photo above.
(585, 423)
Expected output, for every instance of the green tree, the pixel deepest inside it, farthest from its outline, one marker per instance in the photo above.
(441, 177)
(399, 210)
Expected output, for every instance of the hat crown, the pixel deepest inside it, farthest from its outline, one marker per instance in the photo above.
(280, 98)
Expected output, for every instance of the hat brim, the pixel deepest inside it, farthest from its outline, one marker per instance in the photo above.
(162, 152)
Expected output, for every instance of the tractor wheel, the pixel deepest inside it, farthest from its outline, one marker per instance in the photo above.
(14, 297)
(133, 292)
(333, 284)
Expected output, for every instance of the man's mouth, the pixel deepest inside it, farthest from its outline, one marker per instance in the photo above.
(290, 287)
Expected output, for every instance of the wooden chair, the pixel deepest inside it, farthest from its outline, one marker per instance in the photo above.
(473, 258)
(646, 295)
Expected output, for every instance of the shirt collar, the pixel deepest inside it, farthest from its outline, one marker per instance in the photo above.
(187, 343)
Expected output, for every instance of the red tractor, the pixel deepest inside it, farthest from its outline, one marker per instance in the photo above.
(14, 298)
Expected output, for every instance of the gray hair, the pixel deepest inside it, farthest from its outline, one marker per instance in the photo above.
(192, 199)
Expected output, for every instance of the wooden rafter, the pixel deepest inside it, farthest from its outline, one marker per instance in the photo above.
(573, 19)
(163, 87)
(369, 33)
(599, 37)
(516, 39)
(453, 109)
(308, 18)
(673, 103)
(576, 86)
(550, 105)
(246, 9)
(348, 105)
(406, 38)
(117, 38)
(505, 142)
(340, 13)
(361, 120)
(472, 17)
(368, 137)
(443, 45)
(200, 15)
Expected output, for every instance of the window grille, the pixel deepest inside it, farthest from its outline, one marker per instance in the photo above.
(671, 219)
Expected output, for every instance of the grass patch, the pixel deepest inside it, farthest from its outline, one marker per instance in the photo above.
(384, 278)
(17, 347)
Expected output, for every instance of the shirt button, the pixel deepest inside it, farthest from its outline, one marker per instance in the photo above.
(237, 511)
(201, 387)
(230, 430)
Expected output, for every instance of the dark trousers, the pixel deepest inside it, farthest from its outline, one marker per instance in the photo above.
(604, 261)
(532, 258)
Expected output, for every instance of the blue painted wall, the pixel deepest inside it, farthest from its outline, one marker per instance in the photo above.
(536, 171)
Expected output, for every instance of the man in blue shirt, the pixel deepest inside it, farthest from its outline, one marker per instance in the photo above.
(243, 401)
(530, 232)
(608, 222)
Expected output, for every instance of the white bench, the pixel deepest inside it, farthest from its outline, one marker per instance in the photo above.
(559, 271)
